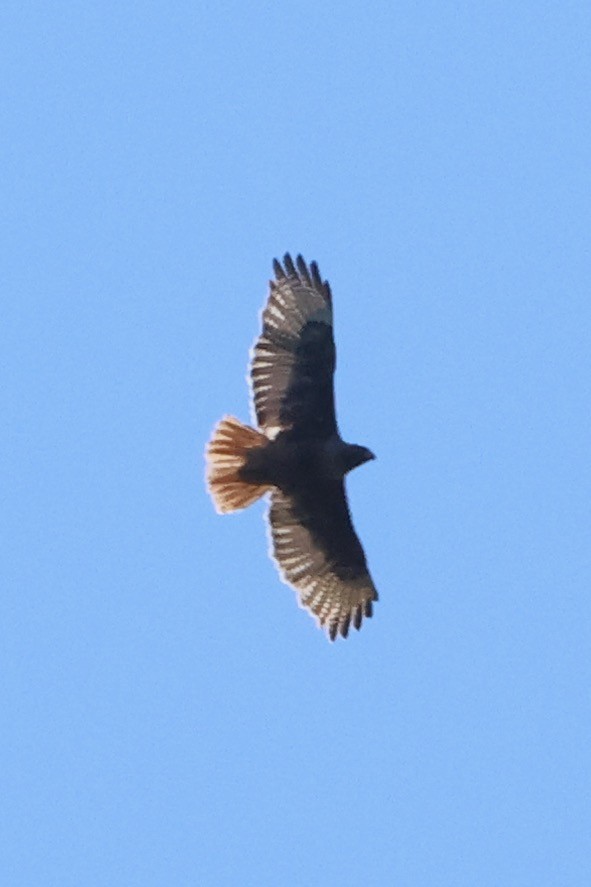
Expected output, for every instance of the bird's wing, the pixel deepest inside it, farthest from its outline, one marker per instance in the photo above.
(318, 553)
(293, 360)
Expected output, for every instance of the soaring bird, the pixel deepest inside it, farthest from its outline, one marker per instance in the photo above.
(296, 453)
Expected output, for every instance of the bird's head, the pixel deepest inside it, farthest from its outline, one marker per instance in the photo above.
(356, 455)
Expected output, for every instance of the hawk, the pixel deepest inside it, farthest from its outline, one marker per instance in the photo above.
(296, 454)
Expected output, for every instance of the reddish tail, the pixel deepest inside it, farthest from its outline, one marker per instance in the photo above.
(225, 455)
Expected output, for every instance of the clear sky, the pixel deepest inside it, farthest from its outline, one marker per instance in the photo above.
(169, 715)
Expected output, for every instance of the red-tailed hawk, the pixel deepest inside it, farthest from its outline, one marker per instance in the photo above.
(297, 455)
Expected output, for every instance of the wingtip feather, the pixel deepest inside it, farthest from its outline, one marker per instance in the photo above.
(278, 270)
(289, 265)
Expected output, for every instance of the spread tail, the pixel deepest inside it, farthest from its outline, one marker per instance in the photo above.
(225, 455)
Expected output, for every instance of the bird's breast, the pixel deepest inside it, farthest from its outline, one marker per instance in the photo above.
(288, 463)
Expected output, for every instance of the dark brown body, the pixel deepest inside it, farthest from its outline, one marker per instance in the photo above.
(290, 463)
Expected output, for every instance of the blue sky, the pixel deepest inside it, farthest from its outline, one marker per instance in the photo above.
(170, 717)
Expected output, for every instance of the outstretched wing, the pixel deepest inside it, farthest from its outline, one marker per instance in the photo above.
(293, 360)
(318, 553)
